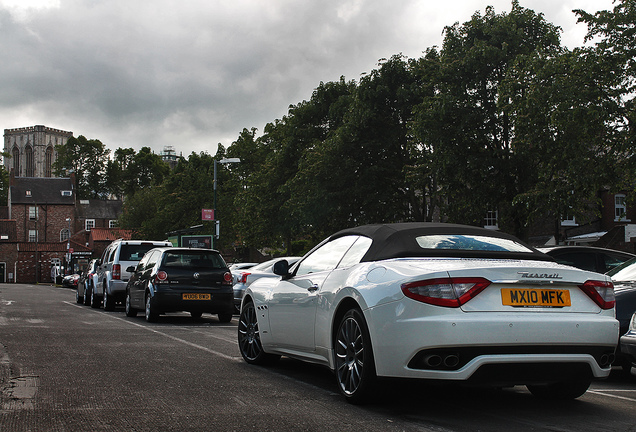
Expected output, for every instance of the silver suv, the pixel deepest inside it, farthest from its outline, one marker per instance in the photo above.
(112, 276)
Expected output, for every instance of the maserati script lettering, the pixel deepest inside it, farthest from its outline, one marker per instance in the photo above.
(540, 275)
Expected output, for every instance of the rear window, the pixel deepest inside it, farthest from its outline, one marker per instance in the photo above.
(470, 243)
(130, 252)
(198, 260)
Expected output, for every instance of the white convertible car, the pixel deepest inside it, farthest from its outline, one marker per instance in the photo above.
(437, 302)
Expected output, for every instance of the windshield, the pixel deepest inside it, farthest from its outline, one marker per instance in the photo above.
(470, 242)
(131, 252)
(192, 259)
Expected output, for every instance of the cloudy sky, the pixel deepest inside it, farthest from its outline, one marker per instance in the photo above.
(194, 73)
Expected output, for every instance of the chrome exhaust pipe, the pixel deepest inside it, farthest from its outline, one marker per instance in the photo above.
(451, 361)
(433, 360)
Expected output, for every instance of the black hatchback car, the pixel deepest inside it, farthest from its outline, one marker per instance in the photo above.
(172, 279)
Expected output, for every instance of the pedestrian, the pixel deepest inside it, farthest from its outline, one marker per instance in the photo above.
(53, 273)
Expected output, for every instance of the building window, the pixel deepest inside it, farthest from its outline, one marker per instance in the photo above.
(491, 220)
(33, 236)
(33, 213)
(48, 162)
(30, 164)
(65, 234)
(620, 208)
(16, 161)
(90, 223)
(112, 224)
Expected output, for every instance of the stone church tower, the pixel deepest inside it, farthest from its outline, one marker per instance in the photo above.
(31, 150)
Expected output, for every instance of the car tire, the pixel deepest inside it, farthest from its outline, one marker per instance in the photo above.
(225, 317)
(353, 358)
(151, 313)
(130, 311)
(249, 338)
(109, 301)
(95, 301)
(87, 296)
(561, 390)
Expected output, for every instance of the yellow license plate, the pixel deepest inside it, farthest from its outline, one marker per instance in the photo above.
(196, 296)
(535, 297)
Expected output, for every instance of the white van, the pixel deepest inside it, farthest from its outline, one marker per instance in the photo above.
(112, 275)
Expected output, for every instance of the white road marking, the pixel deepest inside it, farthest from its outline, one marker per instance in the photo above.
(183, 341)
(604, 393)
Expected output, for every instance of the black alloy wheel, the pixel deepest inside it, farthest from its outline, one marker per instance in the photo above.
(249, 338)
(151, 313)
(109, 300)
(95, 300)
(355, 368)
(130, 311)
(87, 296)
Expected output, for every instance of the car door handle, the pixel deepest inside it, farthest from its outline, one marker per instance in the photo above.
(313, 288)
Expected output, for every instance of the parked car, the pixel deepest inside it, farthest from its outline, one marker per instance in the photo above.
(70, 281)
(112, 276)
(590, 258)
(624, 278)
(243, 279)
(628, 344)
(85, 282)
(241, 266)
(438, 302)
(180, 279)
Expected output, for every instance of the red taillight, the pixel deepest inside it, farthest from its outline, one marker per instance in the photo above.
(227, 278)
(116, 271)
(243, 277)
(448, 292)
(601, 292)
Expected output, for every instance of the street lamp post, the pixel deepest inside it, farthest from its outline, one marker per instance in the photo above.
(224, 161)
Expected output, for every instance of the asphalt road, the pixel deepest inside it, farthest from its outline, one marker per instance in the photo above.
(68, 367)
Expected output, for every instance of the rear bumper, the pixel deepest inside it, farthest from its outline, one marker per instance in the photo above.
(174, 302)
(117, 287)
(519, 346)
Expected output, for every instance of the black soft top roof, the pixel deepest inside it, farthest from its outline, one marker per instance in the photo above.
(399, 241)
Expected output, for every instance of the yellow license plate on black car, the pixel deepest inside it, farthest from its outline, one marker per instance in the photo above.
(535, 297)
(196, 296)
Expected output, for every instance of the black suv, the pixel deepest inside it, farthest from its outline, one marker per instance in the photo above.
(180, 279)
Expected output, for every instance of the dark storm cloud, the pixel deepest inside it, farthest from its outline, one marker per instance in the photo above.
(194, 73)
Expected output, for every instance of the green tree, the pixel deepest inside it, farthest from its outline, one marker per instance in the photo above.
(564, 114)
(465, 125)
(87, 159)
(358, 169)
(615, 35)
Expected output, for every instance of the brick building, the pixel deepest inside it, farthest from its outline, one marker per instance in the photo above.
(45, 225)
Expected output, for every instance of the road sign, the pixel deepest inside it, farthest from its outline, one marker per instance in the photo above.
(207, 214)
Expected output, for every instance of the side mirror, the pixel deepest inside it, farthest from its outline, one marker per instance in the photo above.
(130, 269)
(281, 268)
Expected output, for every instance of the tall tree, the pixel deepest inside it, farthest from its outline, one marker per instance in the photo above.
(87, 159)
(465, 123)
(615, 35)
